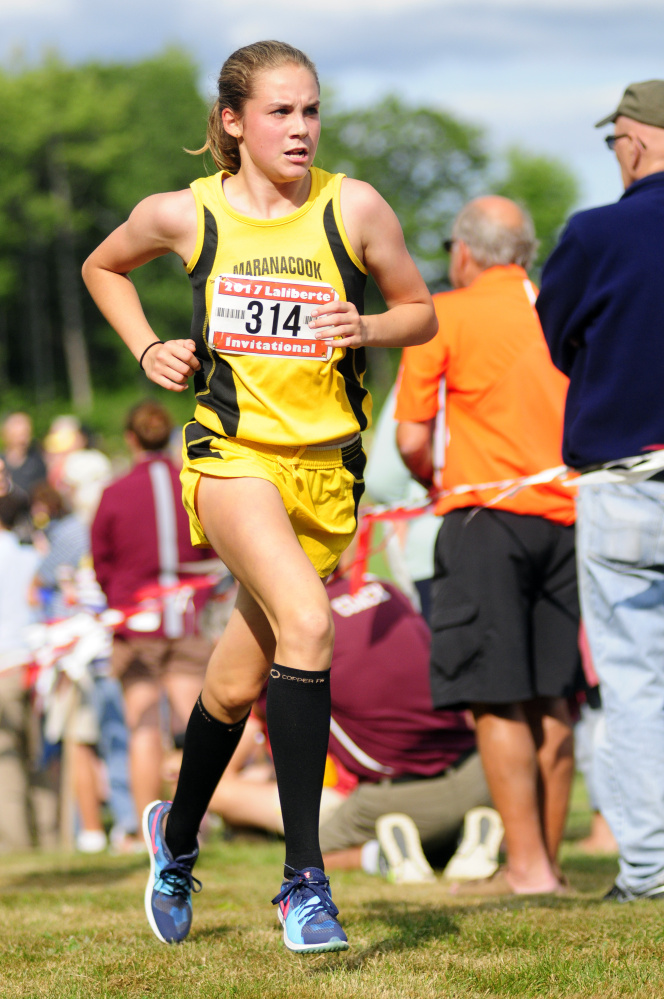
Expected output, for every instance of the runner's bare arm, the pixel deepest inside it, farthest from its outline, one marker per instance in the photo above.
(376, 237)
(158, 225)
(414, 441)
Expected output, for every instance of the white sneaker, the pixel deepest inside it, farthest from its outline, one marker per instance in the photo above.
(477, 854)
(402, 860)
(91, 841)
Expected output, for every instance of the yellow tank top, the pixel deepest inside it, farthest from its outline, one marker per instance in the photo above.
(260, 378)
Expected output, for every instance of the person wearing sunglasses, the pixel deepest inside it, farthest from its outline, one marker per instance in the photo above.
(602, 310)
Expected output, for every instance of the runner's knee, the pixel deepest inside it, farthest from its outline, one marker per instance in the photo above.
(308, 627)
(232, 698)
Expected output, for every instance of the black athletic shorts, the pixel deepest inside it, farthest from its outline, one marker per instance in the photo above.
(504, 610)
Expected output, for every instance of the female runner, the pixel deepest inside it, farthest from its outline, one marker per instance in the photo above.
(277, 252)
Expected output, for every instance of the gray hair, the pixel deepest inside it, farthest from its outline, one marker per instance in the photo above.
(493, 243)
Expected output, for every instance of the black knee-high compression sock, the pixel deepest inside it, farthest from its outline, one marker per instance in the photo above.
(298, 724)
(208, 746)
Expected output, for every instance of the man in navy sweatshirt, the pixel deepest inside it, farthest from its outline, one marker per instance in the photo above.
(602, 310)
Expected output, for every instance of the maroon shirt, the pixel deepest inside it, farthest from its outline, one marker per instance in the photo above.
(381, 698)
(140, 536)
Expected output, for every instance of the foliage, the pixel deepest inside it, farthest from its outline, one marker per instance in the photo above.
(81, 145)
(427, 165)
(546, 187)
(424, 162)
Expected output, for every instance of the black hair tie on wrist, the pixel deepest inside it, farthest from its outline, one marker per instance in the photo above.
(149, 346)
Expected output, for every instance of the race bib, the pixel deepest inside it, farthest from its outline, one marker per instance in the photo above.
(267, 317)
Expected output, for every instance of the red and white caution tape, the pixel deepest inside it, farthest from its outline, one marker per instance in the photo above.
(634, 469)
(70, 644)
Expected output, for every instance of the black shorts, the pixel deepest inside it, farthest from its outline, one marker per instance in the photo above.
(505, 610)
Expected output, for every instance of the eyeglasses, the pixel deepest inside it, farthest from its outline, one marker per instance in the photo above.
(612, 139)
(448, 244)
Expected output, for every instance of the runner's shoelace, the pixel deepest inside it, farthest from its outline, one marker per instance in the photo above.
(178, 877)
(320, 900)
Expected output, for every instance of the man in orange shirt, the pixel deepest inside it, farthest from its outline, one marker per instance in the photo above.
(504, 598)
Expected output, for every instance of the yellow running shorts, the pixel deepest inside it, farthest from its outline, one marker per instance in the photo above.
(320, 488)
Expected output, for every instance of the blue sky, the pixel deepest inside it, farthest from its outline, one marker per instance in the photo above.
(536, 73)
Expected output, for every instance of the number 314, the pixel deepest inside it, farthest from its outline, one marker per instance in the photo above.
(291, 323)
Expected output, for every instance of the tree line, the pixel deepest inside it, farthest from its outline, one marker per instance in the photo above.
(80, 145)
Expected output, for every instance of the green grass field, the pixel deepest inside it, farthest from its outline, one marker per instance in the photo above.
(71, 926)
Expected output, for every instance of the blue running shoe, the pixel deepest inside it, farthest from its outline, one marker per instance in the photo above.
(169, 887)
(308, 914)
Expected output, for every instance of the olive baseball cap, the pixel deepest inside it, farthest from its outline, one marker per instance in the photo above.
(641, 102)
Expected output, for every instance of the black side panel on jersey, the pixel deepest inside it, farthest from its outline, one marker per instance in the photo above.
(198, 279)
(355, 460)
(351, 275)
(353, 365)
(214, 381)
(197, 440)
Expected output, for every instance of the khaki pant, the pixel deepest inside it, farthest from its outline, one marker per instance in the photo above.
(436, 805)
(15, 813)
